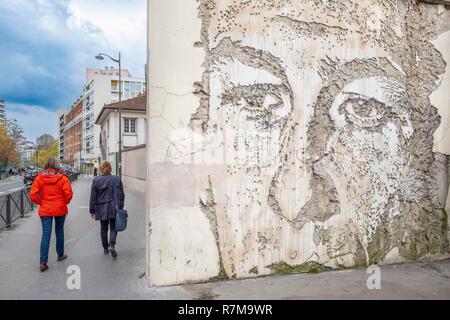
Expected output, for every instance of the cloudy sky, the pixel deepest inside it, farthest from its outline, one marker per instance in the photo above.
(46, 45)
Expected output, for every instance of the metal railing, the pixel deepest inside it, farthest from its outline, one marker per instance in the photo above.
(16, 205)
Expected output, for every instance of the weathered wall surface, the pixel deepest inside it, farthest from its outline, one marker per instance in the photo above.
(291, 136)
(134, 163)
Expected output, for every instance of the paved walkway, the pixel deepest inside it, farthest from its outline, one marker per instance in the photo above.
(124, 278)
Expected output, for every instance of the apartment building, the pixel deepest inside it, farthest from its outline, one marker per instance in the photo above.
(61, 121)
(102, 88)
(73, 135)
(2, 111)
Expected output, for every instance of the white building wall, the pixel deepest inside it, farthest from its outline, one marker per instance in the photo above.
(111, 124)
(102, 95)
(129, 140)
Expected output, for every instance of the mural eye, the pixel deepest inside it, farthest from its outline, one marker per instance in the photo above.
(262, 102)
(364, 112)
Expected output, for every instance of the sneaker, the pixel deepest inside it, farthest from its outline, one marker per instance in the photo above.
(106, 252)
(62, 258)
(43, 267)
(113, 252)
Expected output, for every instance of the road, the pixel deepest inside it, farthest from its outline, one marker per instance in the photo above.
(11, 184)
(124, 278)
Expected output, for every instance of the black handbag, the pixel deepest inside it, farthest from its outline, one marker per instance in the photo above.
(121, 215)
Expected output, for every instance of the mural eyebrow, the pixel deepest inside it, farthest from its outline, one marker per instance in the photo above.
(310, 28)
(252, 57)
(332, 70)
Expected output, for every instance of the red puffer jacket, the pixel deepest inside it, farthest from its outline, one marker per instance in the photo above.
(51, 190)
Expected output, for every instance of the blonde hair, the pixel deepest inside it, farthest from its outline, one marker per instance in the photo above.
(52, 163)
(105, 168)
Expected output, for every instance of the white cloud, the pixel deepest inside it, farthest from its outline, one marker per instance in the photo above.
(35, 120)
(123, 23)
(46, 46)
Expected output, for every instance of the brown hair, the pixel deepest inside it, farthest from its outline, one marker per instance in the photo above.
(52, 163)
(105, 168)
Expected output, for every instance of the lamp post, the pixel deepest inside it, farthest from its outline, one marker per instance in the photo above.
(102, 56)
(81, 149)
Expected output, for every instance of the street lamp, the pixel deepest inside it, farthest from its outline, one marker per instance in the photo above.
(102, 56)
(81, 149)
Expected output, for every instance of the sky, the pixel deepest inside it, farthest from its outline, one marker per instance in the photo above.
(46, 46)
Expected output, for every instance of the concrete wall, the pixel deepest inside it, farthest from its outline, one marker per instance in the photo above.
(134, 168)
(295, 136)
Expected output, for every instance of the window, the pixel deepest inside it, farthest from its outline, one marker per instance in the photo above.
(130, 125)
(132, 89)
(133, 125)
(89, 123)
(89, 86)
(89, 145)
(114, 85)
(114, 96)
(88, 103)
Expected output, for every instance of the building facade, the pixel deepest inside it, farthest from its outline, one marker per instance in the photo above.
(134, 127)
(73, 135)
(2, 111)
(316, 136)
(102, 88)
(61, 121)
(27, 154)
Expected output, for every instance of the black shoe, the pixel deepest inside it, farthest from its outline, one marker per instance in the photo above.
(106, 252)
(113, 252)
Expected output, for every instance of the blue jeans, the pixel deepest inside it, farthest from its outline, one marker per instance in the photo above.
(47, 234)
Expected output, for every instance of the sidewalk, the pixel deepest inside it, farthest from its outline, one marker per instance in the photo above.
(102, 277)
(124, 278)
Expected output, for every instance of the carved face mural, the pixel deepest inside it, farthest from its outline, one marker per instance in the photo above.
(322, 110)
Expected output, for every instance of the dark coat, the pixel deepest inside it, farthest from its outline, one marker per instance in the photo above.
(102, 202)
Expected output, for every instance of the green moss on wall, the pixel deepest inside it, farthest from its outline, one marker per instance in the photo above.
(307, 267)
(444, 225)
(429, 238)
(254, 270)
(222, 274)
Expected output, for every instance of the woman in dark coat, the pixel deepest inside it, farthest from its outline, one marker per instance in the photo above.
(106, 193)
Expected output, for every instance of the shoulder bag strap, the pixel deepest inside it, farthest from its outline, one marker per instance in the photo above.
(115, 197)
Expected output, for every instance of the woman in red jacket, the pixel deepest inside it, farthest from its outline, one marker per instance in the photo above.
(51, 190)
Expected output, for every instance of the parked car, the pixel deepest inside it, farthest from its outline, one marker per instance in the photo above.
(29, 176)
(67, 170)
